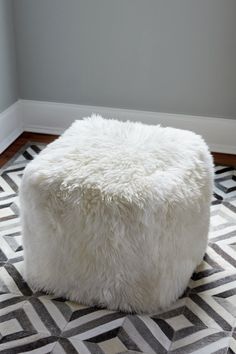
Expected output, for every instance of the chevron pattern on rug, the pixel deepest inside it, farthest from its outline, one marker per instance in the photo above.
(203, 321)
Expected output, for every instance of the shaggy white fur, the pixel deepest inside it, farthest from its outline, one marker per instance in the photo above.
(117, 214)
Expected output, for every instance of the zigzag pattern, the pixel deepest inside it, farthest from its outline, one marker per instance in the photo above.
(202, 321)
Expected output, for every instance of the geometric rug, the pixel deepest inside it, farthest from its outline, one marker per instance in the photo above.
(203, 321)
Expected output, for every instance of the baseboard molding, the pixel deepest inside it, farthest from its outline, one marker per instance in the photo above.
(11, 125)
(54, 118)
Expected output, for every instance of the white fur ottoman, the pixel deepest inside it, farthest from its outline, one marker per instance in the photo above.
(117, 214)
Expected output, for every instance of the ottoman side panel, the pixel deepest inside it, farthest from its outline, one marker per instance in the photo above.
(42, 249)
(185, 225)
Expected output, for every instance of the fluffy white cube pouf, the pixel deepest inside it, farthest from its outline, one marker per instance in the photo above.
(117, 214)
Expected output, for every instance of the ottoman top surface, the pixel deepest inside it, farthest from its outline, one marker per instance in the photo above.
(123, 159)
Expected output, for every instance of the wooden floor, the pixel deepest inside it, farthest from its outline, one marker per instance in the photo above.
(23, 139)
(224, 159)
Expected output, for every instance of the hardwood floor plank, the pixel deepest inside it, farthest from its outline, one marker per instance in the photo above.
(224, 159)
(24, 138)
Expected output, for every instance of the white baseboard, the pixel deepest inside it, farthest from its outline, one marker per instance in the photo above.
(54, 118)
(11, 125)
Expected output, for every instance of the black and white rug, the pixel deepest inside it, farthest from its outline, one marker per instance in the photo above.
(203, 321)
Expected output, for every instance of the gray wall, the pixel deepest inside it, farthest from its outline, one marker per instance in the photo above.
(8, 78)
(161, 55)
